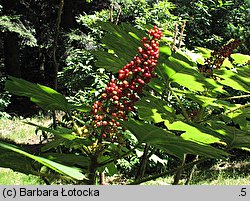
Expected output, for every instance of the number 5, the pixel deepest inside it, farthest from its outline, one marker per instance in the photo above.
(243, 191)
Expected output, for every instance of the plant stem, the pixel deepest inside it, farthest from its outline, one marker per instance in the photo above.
(92, 170)
(184, 112)
(189, 165)
(238, 108)
(235, 97)
(178, 173)
(190, 175)
(114, 159)
(177, 176)
(143, 163)
(214, 116)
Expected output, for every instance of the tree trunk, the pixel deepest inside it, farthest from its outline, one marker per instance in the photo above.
(68, 16)
(11, 55)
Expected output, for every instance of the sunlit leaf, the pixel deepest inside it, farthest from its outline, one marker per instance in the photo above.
(240, 58)
(194, 132)
(237, 80)
(181, 72)
(167, 141)
(153, 109)
(118, 39)
(235, 138)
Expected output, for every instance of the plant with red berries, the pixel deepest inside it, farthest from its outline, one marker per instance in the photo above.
(95, 140)
(218, 57)
(119, 97)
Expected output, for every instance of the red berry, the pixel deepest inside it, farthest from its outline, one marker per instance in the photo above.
(104, 96)
(140, 50)
(104, 123)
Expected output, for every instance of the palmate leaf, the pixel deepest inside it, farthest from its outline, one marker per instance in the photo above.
(237, 80)
(123, 40)
(172, 69)
(157, 85)
(153, 109)
(240, 58)
(180, 67)
(206, 101)
(175, 145)
(194, 132)
(206, 53)
(181, 72)
(241, 117)
(235, 138)
(62, 169)
(45, 97)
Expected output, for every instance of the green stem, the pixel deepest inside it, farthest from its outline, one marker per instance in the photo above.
(92, 170)
(122, 156)
(178, 173)
(143, 163)
(238, 108)
(184, 112)
(227, 112)
(235, 97)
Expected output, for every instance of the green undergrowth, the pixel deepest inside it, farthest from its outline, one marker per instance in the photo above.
(17, 131)
(221, 173)
(9, 177)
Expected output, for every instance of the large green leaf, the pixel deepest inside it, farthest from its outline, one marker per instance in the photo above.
(154, 109)
(206, 53)
(235, 138)
(175, 145)
(62, 169)
(195, 132)
(240, 58)
(181, 68)
(241, 117)
(166, 50)
(178, 71)
(157, 85)
(237, 80)
(118, 39)
(45, 97)
(206, 101)
(68, 159)
(227, 63)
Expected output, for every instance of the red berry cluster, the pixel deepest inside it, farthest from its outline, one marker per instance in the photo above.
(217, 58)
(120, 95)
